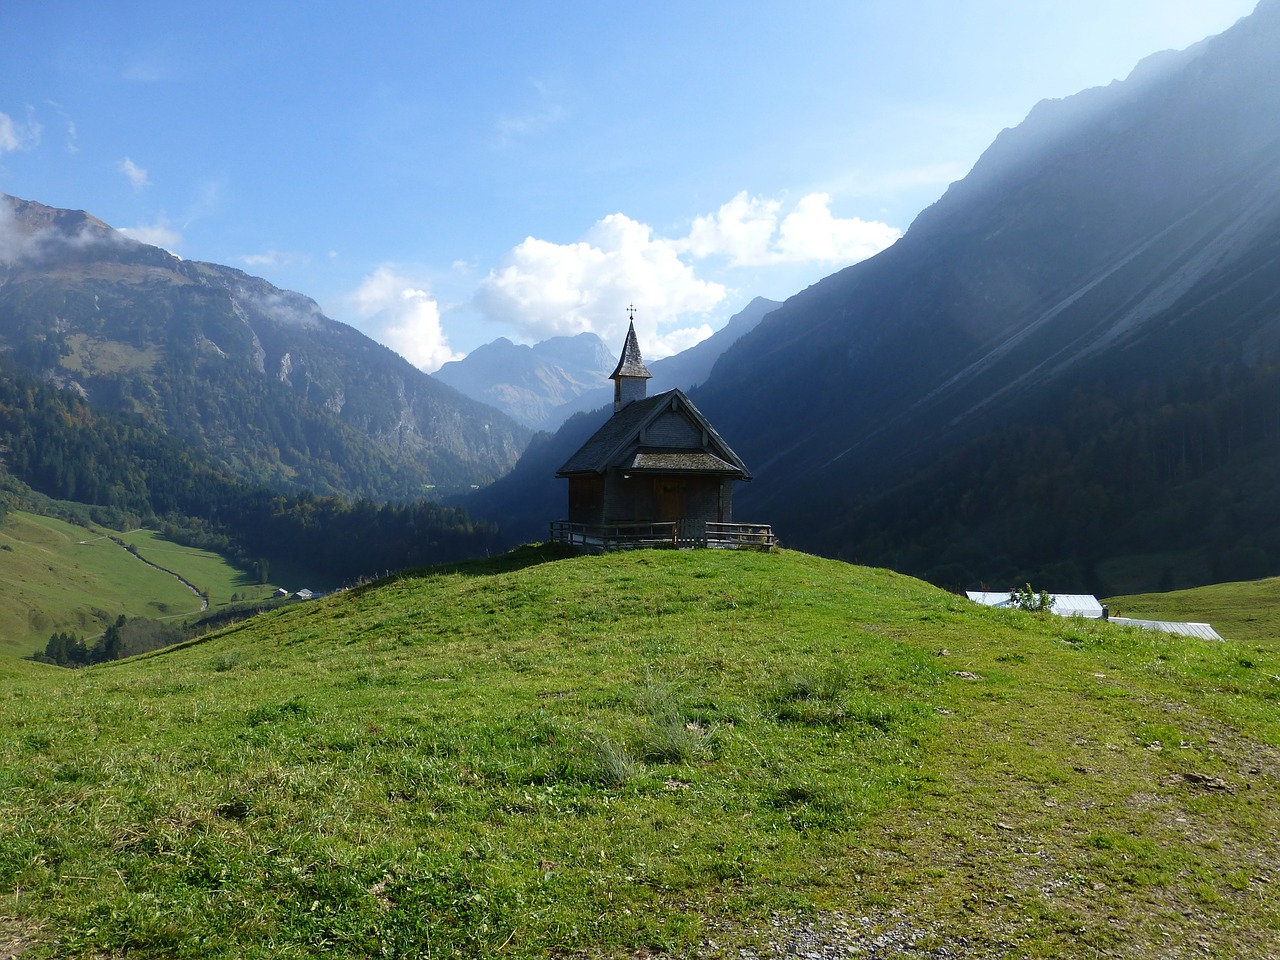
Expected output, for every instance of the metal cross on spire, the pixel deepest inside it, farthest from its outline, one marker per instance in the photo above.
(631, 313)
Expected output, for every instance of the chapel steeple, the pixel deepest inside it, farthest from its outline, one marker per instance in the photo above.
(630, 375)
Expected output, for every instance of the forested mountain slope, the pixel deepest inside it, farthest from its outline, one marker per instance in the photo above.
(1068, 359)
(254, 376)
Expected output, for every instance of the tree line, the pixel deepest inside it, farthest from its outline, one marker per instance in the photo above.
(1190, 464)
(53, 441)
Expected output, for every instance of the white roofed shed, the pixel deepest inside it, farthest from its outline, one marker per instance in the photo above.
(1064, 604)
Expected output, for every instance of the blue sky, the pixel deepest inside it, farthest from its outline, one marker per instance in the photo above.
(441, 174)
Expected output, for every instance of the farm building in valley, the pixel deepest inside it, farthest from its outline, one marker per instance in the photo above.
(1083, 605)
(656, 473)
(1064, 604)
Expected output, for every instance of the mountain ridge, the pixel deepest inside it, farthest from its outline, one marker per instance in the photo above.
(1107, 238)
(545, 384)
(258, 377)
(1100, 288)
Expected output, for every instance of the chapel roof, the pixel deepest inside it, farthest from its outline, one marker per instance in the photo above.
(631, 364)
(619, 443)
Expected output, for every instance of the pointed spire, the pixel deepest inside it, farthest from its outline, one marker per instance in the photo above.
(630, 374)
(631, 364)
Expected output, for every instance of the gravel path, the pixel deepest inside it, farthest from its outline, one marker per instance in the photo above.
(836, 936)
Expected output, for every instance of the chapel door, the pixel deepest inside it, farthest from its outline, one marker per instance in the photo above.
(670, 491)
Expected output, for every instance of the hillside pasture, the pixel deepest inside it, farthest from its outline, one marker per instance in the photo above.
(56, 576)
(210, 572)
(1247, 612)
(690, 754)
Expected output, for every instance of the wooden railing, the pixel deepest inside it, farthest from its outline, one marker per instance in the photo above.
(682, 534)
(758, 536)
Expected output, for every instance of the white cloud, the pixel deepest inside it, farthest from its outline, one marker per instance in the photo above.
(274, 258)
(667, 344)
(158, 234)
(136, 174)
(547, 289)
(741, 230)
(399, 312)
(17, 136)
(12, 240)
(811, 234)
(747, 232)
(72, 146)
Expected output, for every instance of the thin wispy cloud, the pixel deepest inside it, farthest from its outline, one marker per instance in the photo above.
(153, 69)
(16, 136)
(158, 234)
(207, 200)
(274, 258)
(135, 174)
(68, 124)
(536, 120)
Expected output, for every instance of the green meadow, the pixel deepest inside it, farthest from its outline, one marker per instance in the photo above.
(210, 572)
(1248, 612)
(56, 576)
(656, 753)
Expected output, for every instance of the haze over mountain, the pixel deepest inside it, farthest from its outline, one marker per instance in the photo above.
(683, 370)
(1067, 366)
(543, 385)
(529, 383)
(255, 377)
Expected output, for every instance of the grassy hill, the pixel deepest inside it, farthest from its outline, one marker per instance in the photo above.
(652, 753)
(60, 576)
(1247, 611)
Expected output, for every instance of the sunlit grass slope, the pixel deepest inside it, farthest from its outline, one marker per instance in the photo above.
(1248, 612)
(210, 572)
(51, 580)
(644, 753)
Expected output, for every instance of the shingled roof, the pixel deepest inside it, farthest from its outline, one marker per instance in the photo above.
(618, 444)
(631, 364)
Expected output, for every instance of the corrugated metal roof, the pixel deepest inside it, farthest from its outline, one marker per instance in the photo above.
(988, 599)
(1064, 604)
(1201, 630)
(1077, 605)
(1083, 605)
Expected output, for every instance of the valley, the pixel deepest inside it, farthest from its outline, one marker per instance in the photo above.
(474, 743)
(58, 577)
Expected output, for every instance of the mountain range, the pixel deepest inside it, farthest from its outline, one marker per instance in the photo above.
(530, 383)
(1068, 367)
(544, 384)
(255, 378)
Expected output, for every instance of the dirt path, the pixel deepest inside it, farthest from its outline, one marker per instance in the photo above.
(204, 601)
